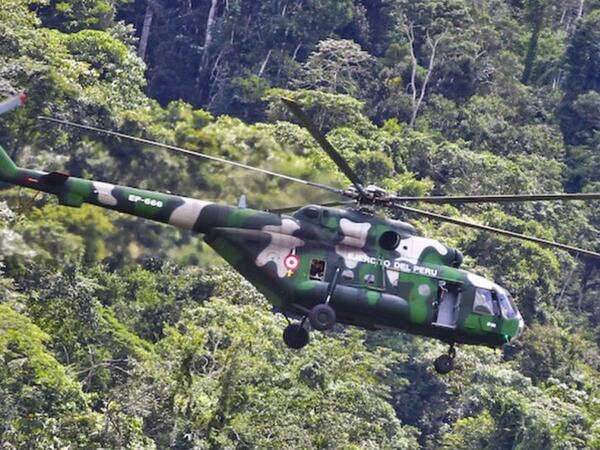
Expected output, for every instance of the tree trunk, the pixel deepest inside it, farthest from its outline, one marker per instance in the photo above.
(566, 284)
(531, 52)
(416, 96)
(580, 11)
(264, 64)
(143, 46)
(296, 50)
(536, 18)
(203, 78)
(210, 22)
(585, 278)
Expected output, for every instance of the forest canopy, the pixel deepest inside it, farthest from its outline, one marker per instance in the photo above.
(120, 333)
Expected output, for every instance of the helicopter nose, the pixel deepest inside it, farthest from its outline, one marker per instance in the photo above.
(520, 329)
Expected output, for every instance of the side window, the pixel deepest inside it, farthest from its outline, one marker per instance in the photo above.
(317, 269)
(484, 302)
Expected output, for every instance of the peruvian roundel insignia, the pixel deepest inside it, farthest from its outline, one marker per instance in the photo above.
(291, 262)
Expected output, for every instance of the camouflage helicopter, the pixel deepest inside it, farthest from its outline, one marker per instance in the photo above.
(321, 265)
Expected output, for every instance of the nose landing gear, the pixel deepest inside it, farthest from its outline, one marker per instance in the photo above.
(445, 363)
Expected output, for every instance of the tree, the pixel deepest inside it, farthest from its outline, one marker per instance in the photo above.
(224, 43)
(536, 15)
(426, 25)
(339, 67)
(42, 406)
(75, 15)
(581, 60)
(233, 388)
(146, 28)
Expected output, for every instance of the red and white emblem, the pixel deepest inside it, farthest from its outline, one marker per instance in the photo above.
(291, 262)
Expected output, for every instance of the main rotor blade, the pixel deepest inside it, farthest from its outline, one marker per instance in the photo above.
(312, 128)
(500, 198)
(512, 234)
(192, 153)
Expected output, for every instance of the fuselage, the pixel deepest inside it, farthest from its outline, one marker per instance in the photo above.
(377, 273)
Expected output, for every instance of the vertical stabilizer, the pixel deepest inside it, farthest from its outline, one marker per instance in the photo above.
(8, 169)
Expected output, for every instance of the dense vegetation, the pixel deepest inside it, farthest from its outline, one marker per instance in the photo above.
(118, 333)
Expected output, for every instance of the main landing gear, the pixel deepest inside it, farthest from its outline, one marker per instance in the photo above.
(445, 363)
(321, 317)
(295, 335)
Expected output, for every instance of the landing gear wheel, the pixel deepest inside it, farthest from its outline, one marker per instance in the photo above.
(443, 364)
(322, 317)
(295, 336)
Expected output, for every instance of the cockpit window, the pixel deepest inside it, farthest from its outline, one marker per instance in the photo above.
(484, 302)
(507, 306)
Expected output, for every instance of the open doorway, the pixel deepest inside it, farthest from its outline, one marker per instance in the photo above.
(448, 299)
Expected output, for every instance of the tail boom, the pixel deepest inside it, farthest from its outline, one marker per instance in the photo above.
(183, 212)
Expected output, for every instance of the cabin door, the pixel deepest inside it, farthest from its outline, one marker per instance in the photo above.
(448, 300)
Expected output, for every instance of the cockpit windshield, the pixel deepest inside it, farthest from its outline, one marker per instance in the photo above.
(507, 305)
(494, 303)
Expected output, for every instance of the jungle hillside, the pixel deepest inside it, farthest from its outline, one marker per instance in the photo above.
(120, 333)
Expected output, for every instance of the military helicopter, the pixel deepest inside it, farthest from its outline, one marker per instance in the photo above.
(320, 265)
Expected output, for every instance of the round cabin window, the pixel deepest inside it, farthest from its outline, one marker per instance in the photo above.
(389, 240)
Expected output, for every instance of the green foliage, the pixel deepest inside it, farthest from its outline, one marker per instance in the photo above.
(552, 352)
(472, 433)
(328, 110)
(110, 338)
(74, 15)
(227, 394)
(582, 57)
(339, 66)
(42, 405)
(207, 62)
(87, 221)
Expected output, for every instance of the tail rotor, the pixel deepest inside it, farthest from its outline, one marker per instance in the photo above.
(13, 102)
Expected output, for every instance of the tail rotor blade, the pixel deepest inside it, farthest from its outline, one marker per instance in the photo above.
(12, 102)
